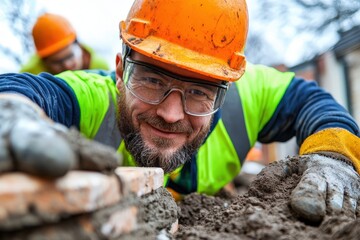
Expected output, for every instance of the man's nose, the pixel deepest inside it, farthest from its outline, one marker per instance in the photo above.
(171, 108)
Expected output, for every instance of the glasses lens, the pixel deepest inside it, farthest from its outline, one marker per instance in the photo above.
(203, 99)
(145, 84)
(152, 85)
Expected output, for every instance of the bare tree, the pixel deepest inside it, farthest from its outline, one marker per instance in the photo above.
(311, 15)
(17, 18)
(260, 51)
(317, 22)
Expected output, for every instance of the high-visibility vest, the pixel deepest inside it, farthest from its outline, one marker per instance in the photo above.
(249, 105)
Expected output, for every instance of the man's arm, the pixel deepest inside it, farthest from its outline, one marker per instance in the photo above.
(305, 109)
(50, 93)
(32, 142)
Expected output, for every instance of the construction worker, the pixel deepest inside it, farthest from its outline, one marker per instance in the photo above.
(57, 48)
(165, 106)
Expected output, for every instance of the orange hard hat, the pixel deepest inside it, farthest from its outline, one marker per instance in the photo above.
(203, 36)
(52, 33)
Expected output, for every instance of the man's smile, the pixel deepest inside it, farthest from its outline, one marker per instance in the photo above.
(164, 133)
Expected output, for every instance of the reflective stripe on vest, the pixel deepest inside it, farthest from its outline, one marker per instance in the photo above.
(234, 121)
(108, 132)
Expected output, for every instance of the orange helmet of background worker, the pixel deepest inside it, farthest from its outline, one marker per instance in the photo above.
(184, 34)
(52, 33)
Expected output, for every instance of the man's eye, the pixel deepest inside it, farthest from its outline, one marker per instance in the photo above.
(196, 92)
(62, 60)
(152, 82)
(201, 93)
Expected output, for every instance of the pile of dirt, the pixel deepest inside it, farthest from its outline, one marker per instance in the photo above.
(263, 212)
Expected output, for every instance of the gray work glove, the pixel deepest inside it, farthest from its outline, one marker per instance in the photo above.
(32, 143)
(328, 186)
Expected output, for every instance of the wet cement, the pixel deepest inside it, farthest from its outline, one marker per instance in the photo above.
(263, 212)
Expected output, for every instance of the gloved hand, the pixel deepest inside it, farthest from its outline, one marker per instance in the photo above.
(30, 142)
(327, 186)
(330, 180)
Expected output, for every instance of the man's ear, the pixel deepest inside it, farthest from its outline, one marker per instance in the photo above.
(119, 69)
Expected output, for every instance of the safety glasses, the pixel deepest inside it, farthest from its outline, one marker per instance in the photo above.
(152, 85)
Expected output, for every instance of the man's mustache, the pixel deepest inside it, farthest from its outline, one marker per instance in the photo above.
(158, 122)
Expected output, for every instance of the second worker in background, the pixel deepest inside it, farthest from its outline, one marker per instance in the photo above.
(57, 48)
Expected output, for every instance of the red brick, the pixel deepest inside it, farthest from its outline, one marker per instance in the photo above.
(139, 180)
(76, 192)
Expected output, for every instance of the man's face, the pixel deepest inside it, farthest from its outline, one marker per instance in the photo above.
(160, 135)
(68, 58)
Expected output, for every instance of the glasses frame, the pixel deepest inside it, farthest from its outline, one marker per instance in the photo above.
(223, 85)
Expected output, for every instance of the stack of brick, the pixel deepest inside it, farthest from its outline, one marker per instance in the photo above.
(129, 204)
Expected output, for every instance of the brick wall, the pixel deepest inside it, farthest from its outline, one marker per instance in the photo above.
(86, 205)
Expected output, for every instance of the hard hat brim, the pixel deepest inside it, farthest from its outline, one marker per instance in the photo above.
(174, 54)
(45, 52)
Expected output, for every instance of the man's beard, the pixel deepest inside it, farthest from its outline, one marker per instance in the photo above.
(145, 156)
